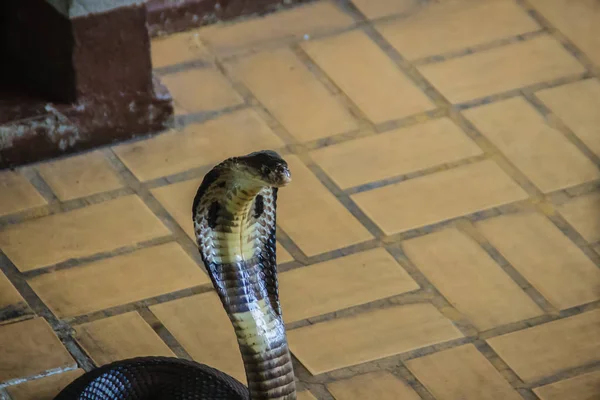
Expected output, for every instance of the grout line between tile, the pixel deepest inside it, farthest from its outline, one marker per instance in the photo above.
(319, 391)
(563, 196)
(84, 261)
(391, 364)
(435, 227)
(49, 372)
(418, 296)
(184, 120)
(63, 331)
(198, 63)
(559, 125)
(286, 241)
(364, 123)
(342, 197)
(137, 305)
(506, 41)
(402, 372)
(501, 366)
(566, 374)
(29, 214)
(413, 175)
(344, 251)
(59, 207)
(583, 189)
(269, 45)
(469, 229)
(569, 231)
(437, 298)
(534, 87)
(527, 394)
(154, 205)
(162, 331)
(559, 36)
(43, 188)
(16, 313)
(525, 389)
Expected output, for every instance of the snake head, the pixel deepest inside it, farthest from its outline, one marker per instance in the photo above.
(265, 166)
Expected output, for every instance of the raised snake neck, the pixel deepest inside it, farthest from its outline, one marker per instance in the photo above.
(234, 223)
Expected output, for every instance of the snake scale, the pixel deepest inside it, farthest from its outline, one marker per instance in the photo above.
(234, 215)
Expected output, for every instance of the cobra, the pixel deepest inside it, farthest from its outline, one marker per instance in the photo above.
(234, 216)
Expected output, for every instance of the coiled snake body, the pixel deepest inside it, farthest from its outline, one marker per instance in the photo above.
(234, 214)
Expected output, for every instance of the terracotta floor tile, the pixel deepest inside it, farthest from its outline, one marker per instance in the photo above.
(398, 152)
(372, 386)
(372, 84)
(198, 145)
(368, 336)
(283, 256)
(81, 232)
(34, 349)
(177, 48)
(293, 95)
(470, 279)
(306, 395)
(324, 226)
(541, 152)
(545, 257)
(17, 193)
(373, 9)
(341, 283)
(44, 388)
(440, 196)
(456, 25)
(476, 377)
(501, 69)
(583, 213)
(547, 349)
(177, 199)
(80, 176)
(577, 105)
(310, 19)
(579, 21)
(12, 303)
(264, 54)
(582, 387)
(200, 90)
(202, 327)
(121, 337)
(118, 280)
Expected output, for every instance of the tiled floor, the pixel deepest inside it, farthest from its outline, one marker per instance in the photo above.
(440, 240)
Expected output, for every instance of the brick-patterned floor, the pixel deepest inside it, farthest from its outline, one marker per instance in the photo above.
(440, 239)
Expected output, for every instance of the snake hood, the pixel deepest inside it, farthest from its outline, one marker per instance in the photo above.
(234, 215)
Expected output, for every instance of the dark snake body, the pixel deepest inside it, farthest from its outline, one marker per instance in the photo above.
(234, 214)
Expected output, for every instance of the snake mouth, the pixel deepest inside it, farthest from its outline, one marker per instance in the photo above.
(283, 178)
